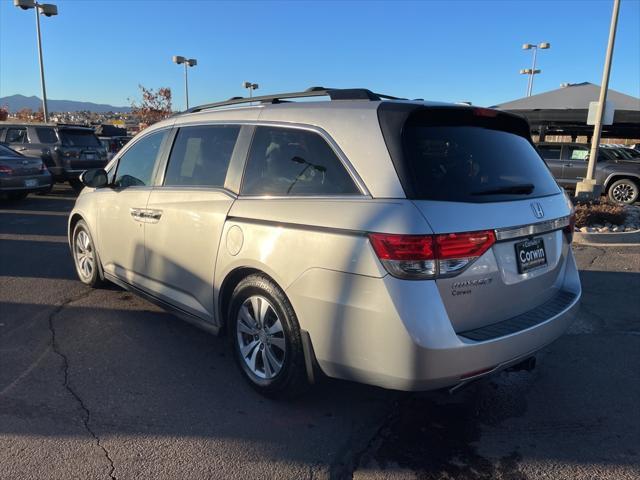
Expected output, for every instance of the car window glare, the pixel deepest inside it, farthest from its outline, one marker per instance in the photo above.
(16, 135)
(287, 161)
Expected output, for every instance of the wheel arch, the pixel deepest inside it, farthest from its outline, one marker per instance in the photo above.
(614, 177)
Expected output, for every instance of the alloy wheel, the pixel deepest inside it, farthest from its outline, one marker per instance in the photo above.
(261, 337)
(622, 193)
(85, 258)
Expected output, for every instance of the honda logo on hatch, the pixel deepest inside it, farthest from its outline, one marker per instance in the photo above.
(537, 210)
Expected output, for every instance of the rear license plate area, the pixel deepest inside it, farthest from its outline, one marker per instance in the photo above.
(530, 254)
(31, 183)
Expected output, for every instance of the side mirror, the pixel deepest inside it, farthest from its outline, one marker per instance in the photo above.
(94, 178)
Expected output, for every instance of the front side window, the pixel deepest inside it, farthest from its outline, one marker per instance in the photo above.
(17, 135)
(201, 155)
(286, 161)
(135, 167)
(46, 135)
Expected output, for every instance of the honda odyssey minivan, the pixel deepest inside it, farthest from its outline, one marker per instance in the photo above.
(405, 244)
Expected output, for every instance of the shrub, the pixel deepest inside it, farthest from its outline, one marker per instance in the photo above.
(600, 213)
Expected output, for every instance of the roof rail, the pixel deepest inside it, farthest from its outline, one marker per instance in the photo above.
(333, 93)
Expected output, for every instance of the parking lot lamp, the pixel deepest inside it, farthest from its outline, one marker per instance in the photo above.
(49, 10)
(251, 87)
(533, 71)
(188, 62)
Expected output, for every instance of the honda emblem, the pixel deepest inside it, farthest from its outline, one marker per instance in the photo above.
(537, 209)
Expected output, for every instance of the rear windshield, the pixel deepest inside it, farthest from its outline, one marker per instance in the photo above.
(456, 157)
(79, 138)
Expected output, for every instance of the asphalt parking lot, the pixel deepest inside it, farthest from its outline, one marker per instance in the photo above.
(101, 384)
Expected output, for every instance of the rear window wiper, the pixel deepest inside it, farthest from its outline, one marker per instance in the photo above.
(523, 189)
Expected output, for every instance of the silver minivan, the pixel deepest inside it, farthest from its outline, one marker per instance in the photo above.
(405, 244)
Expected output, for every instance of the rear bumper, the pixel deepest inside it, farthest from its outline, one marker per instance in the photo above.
(17, 184)
(397, 334)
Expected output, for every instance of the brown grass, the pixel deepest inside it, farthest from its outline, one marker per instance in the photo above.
(601, 213)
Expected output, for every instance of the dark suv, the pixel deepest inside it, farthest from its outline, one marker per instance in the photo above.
(619, 177)
(67, 150)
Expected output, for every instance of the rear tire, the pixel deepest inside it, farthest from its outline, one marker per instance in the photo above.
(624, 191)
(85, 256)
(266, 338)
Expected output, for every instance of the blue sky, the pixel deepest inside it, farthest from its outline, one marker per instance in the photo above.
(100, 51)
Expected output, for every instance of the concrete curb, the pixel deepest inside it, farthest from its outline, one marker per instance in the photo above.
(619, 238)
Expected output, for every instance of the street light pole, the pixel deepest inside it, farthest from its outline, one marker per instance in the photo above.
(587, 188)
(188, 62)
(533, 71)
(45, 110)
(49, 10)
(186, 84)
(251, 87)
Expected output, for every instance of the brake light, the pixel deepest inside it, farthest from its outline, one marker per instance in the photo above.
(6, 170)
(569, 229)
(485, 112)
(430, 256)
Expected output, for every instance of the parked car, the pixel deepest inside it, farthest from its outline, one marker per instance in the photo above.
(113, 144)
(619, 176)
(404, 244)
(67, 150)
(21, 175)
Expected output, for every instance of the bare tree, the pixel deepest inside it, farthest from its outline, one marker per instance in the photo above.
(4, 113)
(155, 105)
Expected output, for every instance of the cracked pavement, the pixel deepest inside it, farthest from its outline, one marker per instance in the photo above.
(101, 384)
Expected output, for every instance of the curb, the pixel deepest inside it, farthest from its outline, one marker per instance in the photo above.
(625, 238)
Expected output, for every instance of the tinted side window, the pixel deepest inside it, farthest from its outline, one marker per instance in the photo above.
(46, 135)
(285, 161)
(550, 152)
(16, 135)
(201, 155)
(135, 167)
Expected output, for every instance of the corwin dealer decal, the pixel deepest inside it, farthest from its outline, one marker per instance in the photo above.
(464, 288)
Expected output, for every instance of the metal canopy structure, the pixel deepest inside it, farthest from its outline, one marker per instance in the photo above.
(564, 112)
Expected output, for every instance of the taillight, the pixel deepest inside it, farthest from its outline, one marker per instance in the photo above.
(569, 229)
(430, 256)
(6, 170)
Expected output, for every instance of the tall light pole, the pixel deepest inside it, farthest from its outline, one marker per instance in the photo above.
(251, 87)
(587, 188)
(49, 10)
(188, 62)
(533, 71)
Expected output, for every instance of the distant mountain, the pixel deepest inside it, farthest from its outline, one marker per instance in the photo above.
(17, 102)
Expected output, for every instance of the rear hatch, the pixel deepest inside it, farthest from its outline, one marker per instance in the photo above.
(476, 170)
(81, 149)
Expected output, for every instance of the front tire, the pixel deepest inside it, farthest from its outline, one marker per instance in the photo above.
(624, 191)
(266, 338)
(85, 256)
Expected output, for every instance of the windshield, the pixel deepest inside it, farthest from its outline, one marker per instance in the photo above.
(464, 160)
(79, 138)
